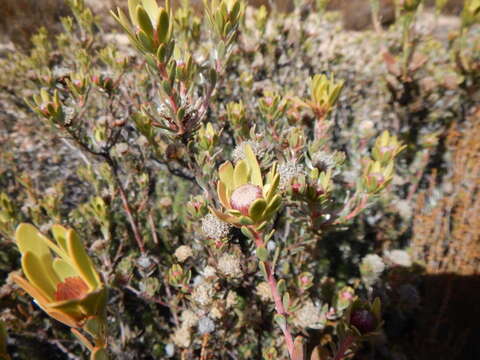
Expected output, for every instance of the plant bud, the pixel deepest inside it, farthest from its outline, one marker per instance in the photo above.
(244, 196)
(363, 320)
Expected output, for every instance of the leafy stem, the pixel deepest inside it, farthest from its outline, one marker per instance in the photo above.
(269, 274)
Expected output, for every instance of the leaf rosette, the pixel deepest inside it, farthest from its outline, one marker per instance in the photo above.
(66, 286)
(247, 198)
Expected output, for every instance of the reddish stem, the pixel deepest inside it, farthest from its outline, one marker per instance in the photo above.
(131, 220)
(272, 282)
(357, 210)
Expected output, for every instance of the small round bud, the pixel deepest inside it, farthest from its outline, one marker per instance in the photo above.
(363, 320)
(244, 196)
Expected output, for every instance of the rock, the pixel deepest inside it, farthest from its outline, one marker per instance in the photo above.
(357, 14)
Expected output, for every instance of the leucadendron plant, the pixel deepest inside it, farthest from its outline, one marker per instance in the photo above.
(66, 285)
(250, 202)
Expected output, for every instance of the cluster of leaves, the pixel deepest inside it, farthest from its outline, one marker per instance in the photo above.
(152, 117)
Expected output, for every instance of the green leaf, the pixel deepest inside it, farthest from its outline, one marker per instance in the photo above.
(263, 269)
(273, 186)
(247, 232)
(3, 341)
(245, 220)
(280, 320)
(272, 206)
(132, 6)
(262, 226)
(144, 21)
(95, 302)
(151, 7)
(256, 209)
(163, 27)
(235, 12)
(99, 354)
(145, 42)
(161, 53)
(262, 253)
(219, 23)
(234, 212)
(29, 239)
(377, 308)
(286, 301)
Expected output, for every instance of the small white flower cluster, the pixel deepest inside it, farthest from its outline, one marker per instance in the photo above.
(367, 127)
(288, 171)
(239, 152)
(215, 228)
(324, 160)
(263, 291)
(206, 326)
(232, 298)
(69, 113)
(182, 337)
(217, 310)
(60, 71)
(399, 258)
(189, 319)
(229, 265)
(371, 268)
(183, 253)
(209, 272)
(310, 316)
(203, 293)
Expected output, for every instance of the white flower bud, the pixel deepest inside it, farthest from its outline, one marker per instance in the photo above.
(183, 253)
(244, 196)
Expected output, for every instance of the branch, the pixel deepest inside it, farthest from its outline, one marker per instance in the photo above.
(272, 282)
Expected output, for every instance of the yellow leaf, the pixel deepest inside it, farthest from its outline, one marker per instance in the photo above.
(35, 271)
(225, 172)
(81, 260)
(240, 173)
(255, 173)
(28, 238)
(63, 269)
(60, 235)
(222, 194)
(64, 318)
(31, 290)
